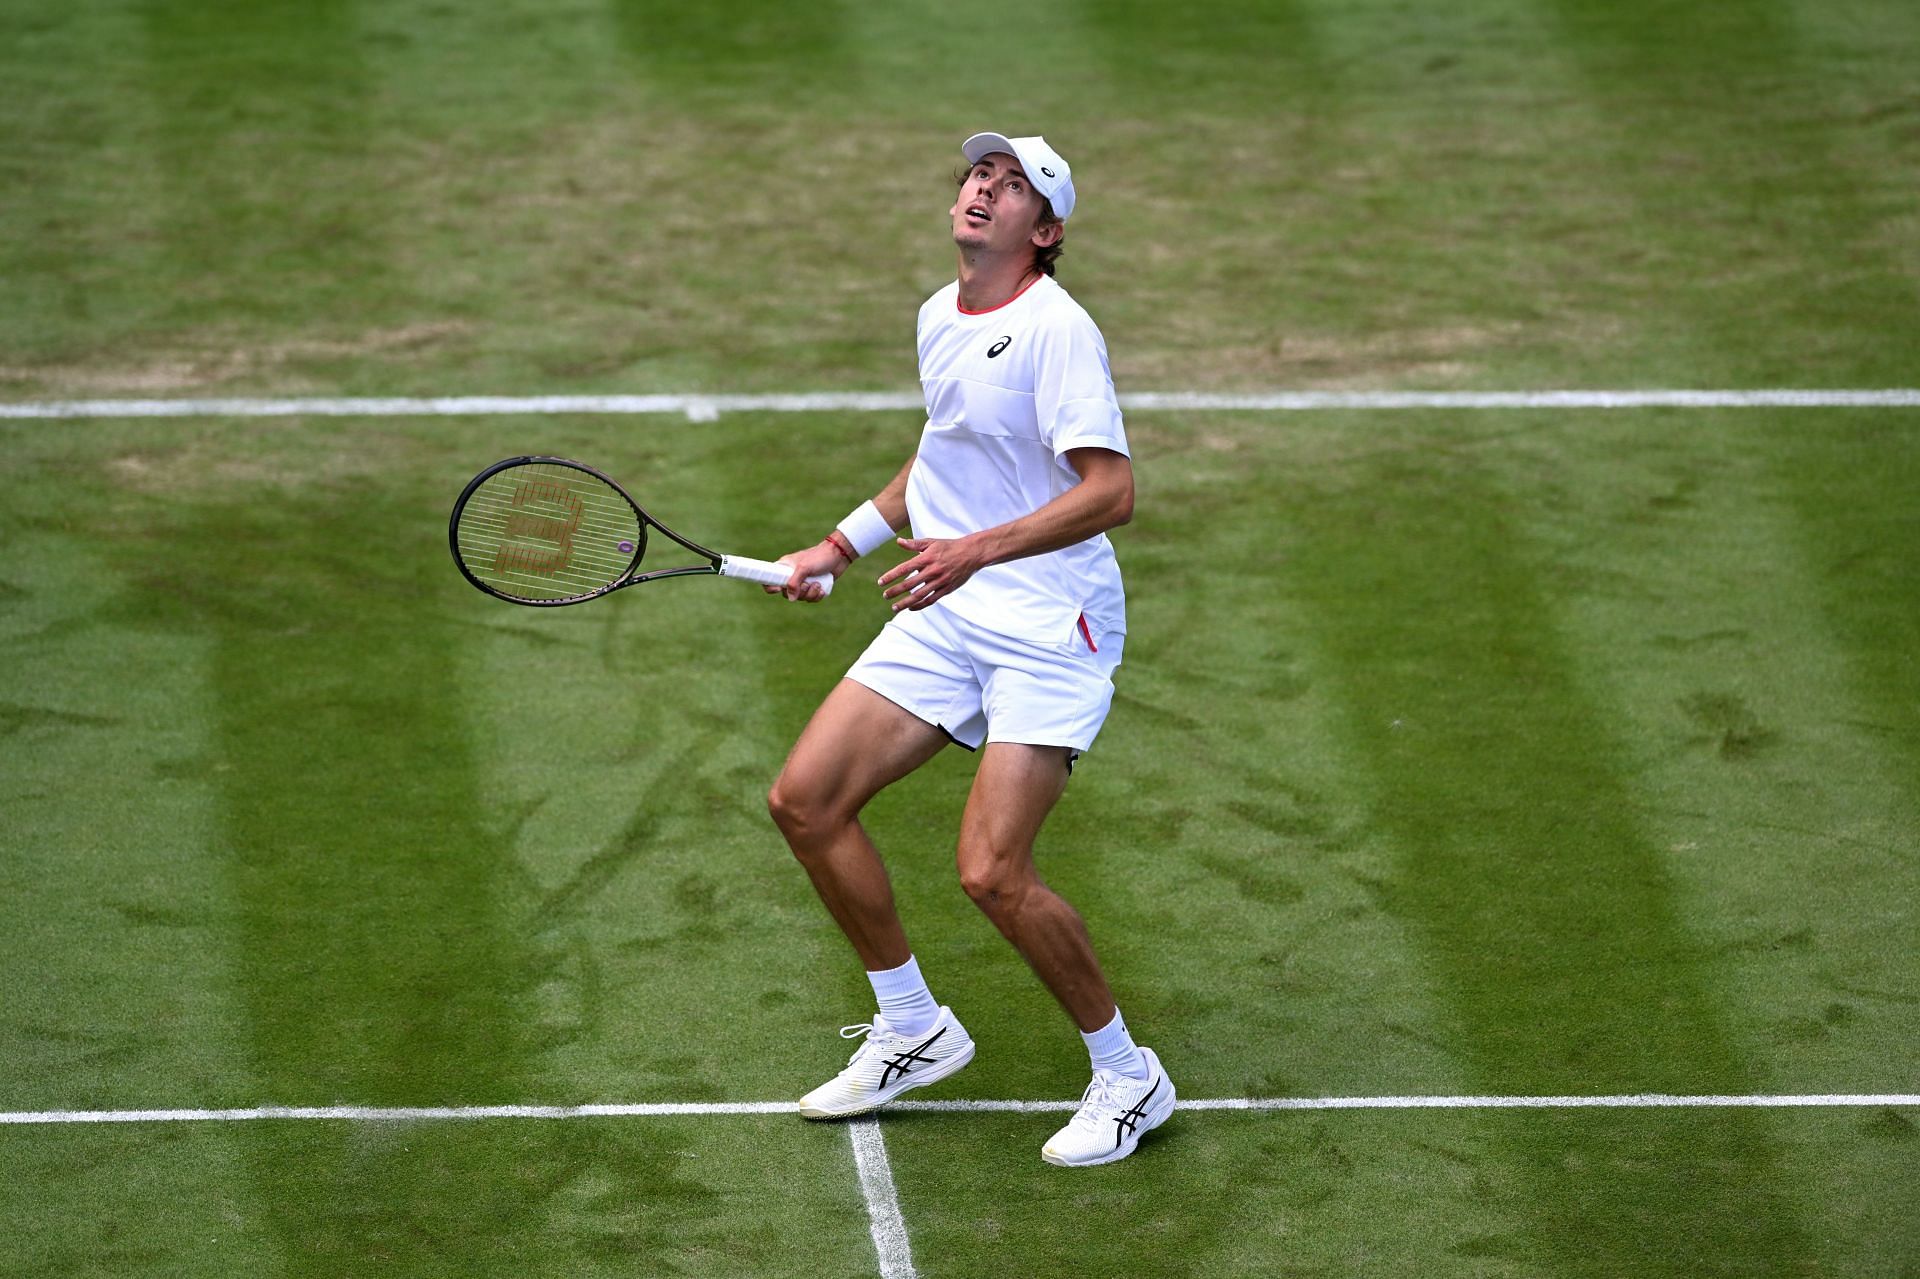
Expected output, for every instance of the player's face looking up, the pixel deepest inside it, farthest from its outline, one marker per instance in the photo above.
(998, 210)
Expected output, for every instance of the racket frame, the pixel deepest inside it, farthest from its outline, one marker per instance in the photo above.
(628, 578)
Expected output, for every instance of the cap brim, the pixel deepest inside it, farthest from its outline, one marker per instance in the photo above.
(985, 144)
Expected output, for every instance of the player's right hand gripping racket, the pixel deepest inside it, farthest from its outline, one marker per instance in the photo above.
(546, 531)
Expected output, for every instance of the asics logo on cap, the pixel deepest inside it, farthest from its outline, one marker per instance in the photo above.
(1049, 172)
(999, 346)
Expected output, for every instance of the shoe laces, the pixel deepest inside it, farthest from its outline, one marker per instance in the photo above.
(1099, 1096)
(874, 1032)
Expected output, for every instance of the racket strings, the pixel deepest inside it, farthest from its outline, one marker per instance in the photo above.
(544, 532)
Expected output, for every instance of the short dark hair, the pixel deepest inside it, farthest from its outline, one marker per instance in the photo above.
(1043, 258)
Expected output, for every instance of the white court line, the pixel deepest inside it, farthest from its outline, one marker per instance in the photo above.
(1618, 1101)
(399, 1114)
(406, 1114)
(883, 1203)
(706, 408)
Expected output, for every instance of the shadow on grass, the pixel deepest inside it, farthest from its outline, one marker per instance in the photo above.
(756, 42)
(1549, 920)
(383, 939)
(245, 96)
(1779, 175)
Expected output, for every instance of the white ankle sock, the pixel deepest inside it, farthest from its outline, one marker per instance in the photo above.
(1112, 1048)
(905, 1002)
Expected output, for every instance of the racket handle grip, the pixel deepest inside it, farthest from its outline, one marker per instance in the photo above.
(767, 573)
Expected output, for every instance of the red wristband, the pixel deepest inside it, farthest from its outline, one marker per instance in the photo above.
(838, 541)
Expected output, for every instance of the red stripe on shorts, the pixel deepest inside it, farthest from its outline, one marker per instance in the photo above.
(1091, 646)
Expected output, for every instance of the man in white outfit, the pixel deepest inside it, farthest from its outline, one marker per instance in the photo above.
(1009, 622)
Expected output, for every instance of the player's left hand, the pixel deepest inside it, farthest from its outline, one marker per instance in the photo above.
(939, 567)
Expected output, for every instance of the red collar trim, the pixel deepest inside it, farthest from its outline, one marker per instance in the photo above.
(1009, 302)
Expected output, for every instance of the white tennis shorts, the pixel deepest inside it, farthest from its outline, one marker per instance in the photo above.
(977, 686)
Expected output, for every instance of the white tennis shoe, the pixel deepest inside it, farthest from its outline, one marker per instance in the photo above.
(889, 1064)
(1114, 1114)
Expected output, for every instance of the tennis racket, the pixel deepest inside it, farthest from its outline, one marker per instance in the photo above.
(546, 531)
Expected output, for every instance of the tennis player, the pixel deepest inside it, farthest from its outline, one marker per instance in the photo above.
(1009, 622)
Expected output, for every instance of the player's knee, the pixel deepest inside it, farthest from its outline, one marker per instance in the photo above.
(789, 809)
(799, 812)
(993, 882)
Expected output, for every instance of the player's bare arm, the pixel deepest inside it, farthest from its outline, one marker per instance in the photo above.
(940, 566)
(892, 500)
(834, 553)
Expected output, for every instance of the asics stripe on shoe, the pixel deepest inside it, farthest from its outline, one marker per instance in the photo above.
(1115, 1112)
(888, 1064)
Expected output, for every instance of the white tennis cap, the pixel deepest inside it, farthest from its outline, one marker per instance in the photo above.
(1049, 174)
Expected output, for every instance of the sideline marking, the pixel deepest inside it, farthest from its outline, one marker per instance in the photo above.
(412, 1114)
(889, 1228)
(708, 408)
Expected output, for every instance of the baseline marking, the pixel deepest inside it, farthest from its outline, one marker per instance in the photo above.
(889, 1228)
(707, 408)
(1619, 1101)
(413, 1114)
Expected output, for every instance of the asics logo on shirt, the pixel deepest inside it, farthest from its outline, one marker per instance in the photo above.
(999, 346)
(902, 1061)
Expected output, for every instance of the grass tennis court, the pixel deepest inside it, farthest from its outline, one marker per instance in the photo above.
(1517, 752)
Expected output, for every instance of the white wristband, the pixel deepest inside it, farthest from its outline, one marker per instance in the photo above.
(866, 529)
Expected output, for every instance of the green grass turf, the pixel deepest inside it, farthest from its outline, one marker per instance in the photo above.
(304, 835)
(1517, 752)
(580, 195)
(440, 1199)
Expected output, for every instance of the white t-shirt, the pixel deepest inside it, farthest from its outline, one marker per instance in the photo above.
(1008, 392)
